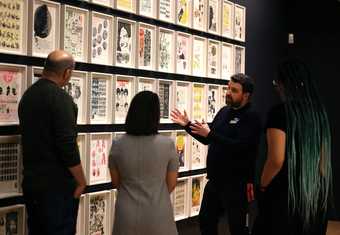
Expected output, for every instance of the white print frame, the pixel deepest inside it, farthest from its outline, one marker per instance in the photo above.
(199, 98)
(196, 189)
(227, 19)
(34, 74)
(74, 32)
(227, 61)
(181, 199)
(11, 166)
(13, 85)
(166, 10)
(126, 5)
(98, 158)
(199, 56)
(183, 97)
(98, 206)
(146, 46)
(44, 37)
(166, 99)
(122, 97)
(183, 53)
(214, 59)
(8, 215)
(183, 12)
(18, 46)
(147, 8)
(83, 145)
(81, 216)
(239, 59)
(166, 50)
(213, 102)
(223, 93)
(240, 23)
(100, 104)
(107, 3)
(182, 144)
(146, 84)
(214, 16)
(101, 39)
(125, 42)
(77, 89)
(199, 15)
(198, 154)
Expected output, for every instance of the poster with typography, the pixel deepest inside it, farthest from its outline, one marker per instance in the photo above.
(212, 102)
(126, 5)
(10, 162)
(146, 8)
(124, 47)
(181, 143)
(10, 94)
(182, 99)
(98, 215)
(182, 54)
(180, 199)
(75, 33)
(198, 103)
(145, 49)
(227, 61)
(227, 19)
(99, 100)
(213, 52)
(76, 88)
(123, 96)
(199, 55)
(198, 15)
(213, 16)
(45, 28)
(98, 167)
(165, 10)
(164, 99)
(165, 48)
(12, 20)
(101, 45)
(239, 27)
(183, 12)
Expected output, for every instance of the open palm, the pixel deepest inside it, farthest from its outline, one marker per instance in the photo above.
(179, 118)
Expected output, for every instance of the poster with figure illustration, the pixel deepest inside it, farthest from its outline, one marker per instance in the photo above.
(165, 96)
(227, 61)
(227, 19)
(183, 97)
(126, 5)
(183, 12)
(125, 43)
(197, 187)
(199, 56)
(123, 96)
(45, 27)
(239, 59)
(199, 14)
(12, 220)
(166, 44)
(13, 26)
(240, 24)
(75, 33)
(213, 102)
(147, 8)
(183, 60)
(98, 213)
(99, 101)
(101, 39)
(11, 87)
(166, 10)
(146, 47)
(180, 204)
(198, 100)
(181, 149)
(197, 154)
(213, 16)
(213, 58)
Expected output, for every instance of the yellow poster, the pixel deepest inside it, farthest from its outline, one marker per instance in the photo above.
(183, 12)
(198, 103)
(125, 5)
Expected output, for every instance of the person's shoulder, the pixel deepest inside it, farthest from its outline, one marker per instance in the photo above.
(162, 139)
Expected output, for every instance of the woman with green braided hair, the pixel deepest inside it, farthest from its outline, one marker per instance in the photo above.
(296, 178)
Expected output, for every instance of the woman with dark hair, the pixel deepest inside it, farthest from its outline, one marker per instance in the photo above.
(296, 178)
(143, 166)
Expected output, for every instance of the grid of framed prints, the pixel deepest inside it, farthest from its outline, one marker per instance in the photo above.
(12, 219)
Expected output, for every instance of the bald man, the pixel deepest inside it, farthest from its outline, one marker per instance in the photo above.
(53, 177)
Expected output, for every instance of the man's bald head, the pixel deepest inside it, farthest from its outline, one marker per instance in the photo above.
(58, 61)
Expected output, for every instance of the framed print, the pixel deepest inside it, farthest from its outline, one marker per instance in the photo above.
(196, 193)
(101, 51)
(227, 19)
(167, 10)
(126, 5)
(183, 97)
(11, 166)
(13, 220)
(214, 56)
(183, 53)
(166, 50)
(198, 154)
(13, 20)
(82, 142)
(34, 74)
(240, 23)
(182, 148)
(239, 58)
(199, 52)
(81, 216)
(97, 161)
(180, 201)
(101, 98)
(45, 27)
(223, 95)
(146, 84)
(165, 94)
(75, 32)
(97, 216)
(125, 42)
(183, 12)
(77, 89)
(12, 86)
(146, 47)
(213, 102)
(107, 3)
(199, 14)
(147, 8)
(198, 102)
(227, 61)
(123, 94)
(214, 16)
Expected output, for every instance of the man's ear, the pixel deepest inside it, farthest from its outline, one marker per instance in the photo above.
(66, 75)
(246, 95)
